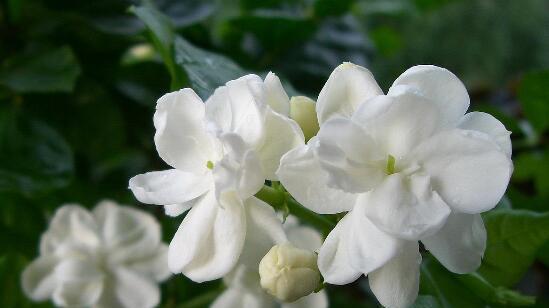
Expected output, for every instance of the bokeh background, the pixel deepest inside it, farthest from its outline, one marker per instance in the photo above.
(79, 81)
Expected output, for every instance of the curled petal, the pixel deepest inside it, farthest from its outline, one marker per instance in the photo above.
(277, 98)
(169, 186)
(38, 279)
(489, 125)
(468, 170)
(334, 258)
(396, 284)
(302, 176)
(405, 207)
(209, 241)
(440, 86)
(181, 138)
(460, 244)
(347, 87)
(281, 135)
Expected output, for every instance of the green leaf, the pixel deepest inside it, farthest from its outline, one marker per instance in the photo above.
(33, 157)
(51, 71)
(514, 236)
(533, 95)
(533, 166)
(425, 301)
(162, 36)
(206, 70)
(325, 8)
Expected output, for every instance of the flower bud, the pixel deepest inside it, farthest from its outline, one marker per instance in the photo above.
(289, 273)
(302, 110)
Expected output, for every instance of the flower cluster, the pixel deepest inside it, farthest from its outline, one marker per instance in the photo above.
(110, 257)
(404, 167)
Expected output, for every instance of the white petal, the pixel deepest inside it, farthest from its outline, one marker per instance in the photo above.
(135, 291)
(154, 266)
(398, 123)
(440, 86)
(396, 284)
(239, 298)
(276, 96)
(180, 208)
(238, 107)
(302, 236)
(371, 247)
(169, 186)
(181, 138)
(467, 169)
(80, 283)
(347, 87)
(70, 225)
(351, 157)
(38, 279)
(281, 135)
(209, 240)
(333, 257)
(264, 230)
(460, 244)
(489, 125)
(405, 206)
(302, 176)
(129, 234)
(316, 300)
(239, 171)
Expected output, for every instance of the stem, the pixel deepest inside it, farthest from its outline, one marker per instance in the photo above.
(278, 199)
(497, 295)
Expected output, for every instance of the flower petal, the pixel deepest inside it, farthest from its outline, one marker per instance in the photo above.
(347, 87)
(317, 300)
(396, 284)
(80, 283)
(333, 257)
(181, 138)
(154, 266)
(371, 247)
(440, 86)
(467, 169)
(398, 123)
(302, 176)
(276, 96)
(134, 290)
(169, 186)
(234, 297)
(238, 107)
(486, 123)
(405, 206)
(71, 225)
(264, 230)
(239, 171)
(209, 240)
(129, 234)
(460, 244)
(302, 236)
(352, 159)
(38, 279)
(281, 135)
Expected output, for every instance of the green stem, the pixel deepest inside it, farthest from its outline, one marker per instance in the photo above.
(279, 199)
(497, 295)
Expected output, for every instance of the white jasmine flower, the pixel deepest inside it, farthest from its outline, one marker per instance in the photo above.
(222, 152)
(110, 257)
(408, 166)
(244, 287)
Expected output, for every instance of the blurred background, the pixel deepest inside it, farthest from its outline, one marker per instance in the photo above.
(79, 82)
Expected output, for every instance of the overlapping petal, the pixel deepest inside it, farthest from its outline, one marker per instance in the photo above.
(181, 138)
(135, 290)
(467, 169)
(79, 283)
(301, 174)
(276, 96)
(489, 125)
(169, 186)
(396, 284)
(405, 206)
(347, 87)
(209, 241)
(440, 86)
(38, 278)
(460, 244)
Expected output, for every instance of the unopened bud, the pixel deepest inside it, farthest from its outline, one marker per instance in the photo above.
(289, 273)
(302, 110)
